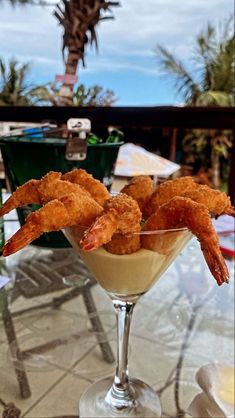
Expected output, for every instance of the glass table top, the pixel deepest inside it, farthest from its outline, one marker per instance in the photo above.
(184, 322)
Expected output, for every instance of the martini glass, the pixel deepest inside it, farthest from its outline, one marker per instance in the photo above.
(126, 278)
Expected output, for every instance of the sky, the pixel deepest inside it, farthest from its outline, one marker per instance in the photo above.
(126, 61)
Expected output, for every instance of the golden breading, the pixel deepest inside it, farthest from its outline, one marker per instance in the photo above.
(58, 214)
(123, 244)
(121, 215)
(76, 199)
(53, 186)
(140, 189)
(166, 191)
(96, 189)
(56, 189)
(217, 202)
(23, 195)
(182, 212)
(41, 191)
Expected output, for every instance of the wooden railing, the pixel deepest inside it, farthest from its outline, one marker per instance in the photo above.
(163, 116)
(135, 117)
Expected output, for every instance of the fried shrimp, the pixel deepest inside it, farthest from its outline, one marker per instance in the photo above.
(96, 189)
(28, 193)
(53, 186)
(23, 195)
(140, 189)
(82, 206)
(167, 191)
(121, 215)
(41, 191)
(50, 190)
(58, 214)
(123, 244)
(217, 202)
(183, 212)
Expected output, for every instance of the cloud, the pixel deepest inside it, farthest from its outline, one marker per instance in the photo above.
(137, 24)
(126, 43)
(141, 25)
(101, 64)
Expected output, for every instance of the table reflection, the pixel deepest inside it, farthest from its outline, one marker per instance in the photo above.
(184, 322)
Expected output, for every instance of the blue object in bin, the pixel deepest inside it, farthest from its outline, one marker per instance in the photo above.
(35, 132)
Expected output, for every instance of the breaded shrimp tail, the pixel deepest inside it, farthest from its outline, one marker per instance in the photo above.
(41, 191)
(29, 193)
(217, 202)
(55, 215)
(166, 191)
(23, 195)
(183, 212)
(121, 215)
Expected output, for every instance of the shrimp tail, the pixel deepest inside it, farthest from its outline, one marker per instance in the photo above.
(57, 214)
(23, 195)
(100, 233)
(230, 211)
(24, 236)
(183, 212)
(50, 187)
(216, 264)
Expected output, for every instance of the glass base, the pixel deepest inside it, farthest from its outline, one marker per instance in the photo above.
(95, 402)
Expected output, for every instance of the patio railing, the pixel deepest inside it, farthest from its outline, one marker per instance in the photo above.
(170, 117)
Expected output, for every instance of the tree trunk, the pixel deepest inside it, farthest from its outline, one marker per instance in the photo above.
(66, 90)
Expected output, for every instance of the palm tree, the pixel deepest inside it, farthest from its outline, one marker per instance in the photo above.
(79, 19)
(212, 81)
(93, 96)
(13, 87)
(15, 91)
(48, 94)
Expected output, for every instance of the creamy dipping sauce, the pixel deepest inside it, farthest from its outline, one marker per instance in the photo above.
(226, 384)
(130, 274)
(134, 274)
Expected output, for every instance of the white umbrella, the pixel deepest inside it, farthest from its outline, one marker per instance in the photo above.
(134, 160)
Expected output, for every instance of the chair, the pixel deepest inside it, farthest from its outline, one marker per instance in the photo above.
(44, 275)
(24, 160)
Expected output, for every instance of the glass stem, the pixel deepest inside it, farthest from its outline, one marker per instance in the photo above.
(120, 391)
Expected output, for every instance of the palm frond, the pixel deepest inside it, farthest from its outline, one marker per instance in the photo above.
(224, 67)
(3, 70)
(206, 48)
(213, 78)
(210, 45)
(79, 20)
(215, 98)
(14, 90)
(184, 82)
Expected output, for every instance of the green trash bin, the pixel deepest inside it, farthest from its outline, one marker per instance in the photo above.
(31, 158)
